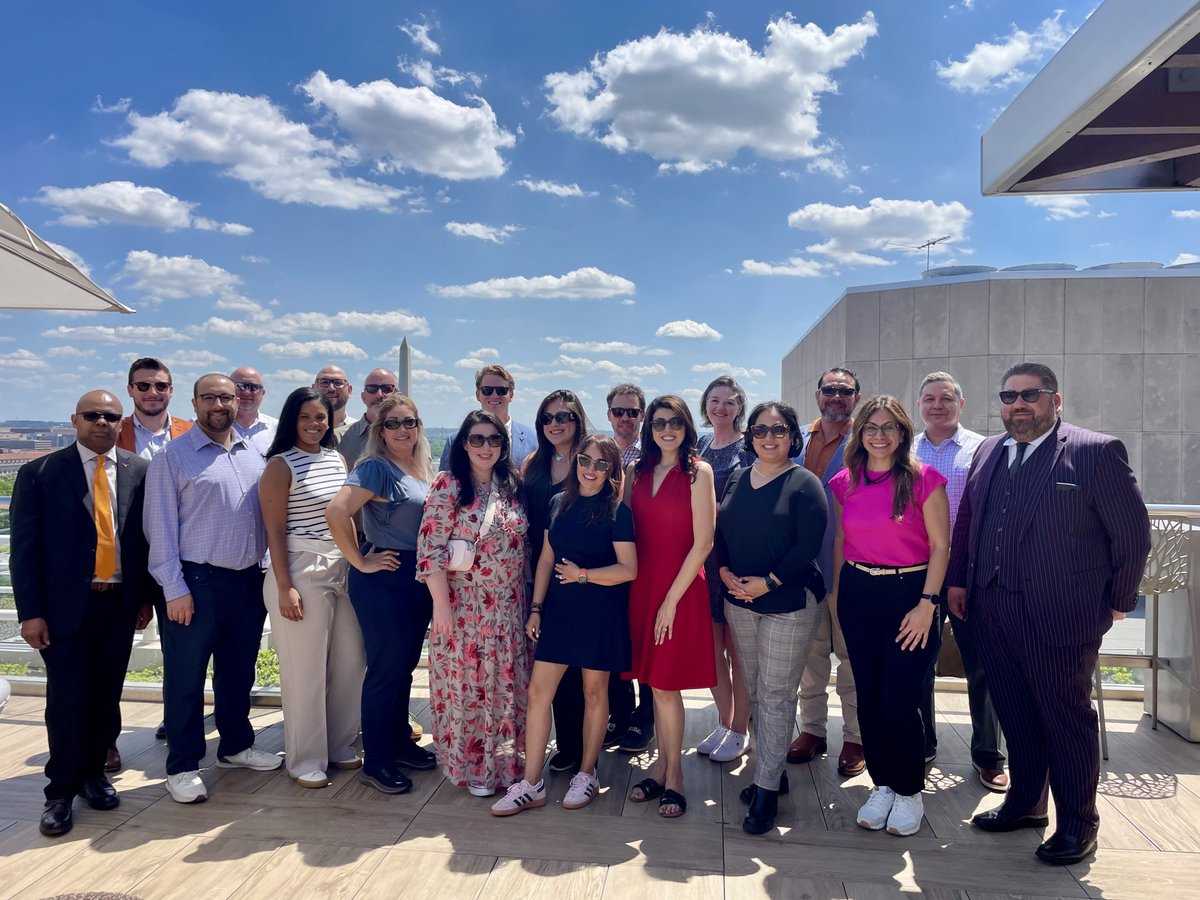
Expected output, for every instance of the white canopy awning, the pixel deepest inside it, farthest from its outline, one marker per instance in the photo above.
(33, 275)
(1116, 109)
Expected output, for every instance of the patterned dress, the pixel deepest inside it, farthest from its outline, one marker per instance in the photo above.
(479, 676)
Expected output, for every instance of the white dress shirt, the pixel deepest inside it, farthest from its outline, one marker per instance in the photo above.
(110, 469)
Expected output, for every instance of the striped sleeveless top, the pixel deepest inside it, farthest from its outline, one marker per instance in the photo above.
(316, 477)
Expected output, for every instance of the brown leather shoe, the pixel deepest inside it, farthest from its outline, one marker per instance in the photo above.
(112, 762)
(806, 748)
(851, 761)
(993, 779)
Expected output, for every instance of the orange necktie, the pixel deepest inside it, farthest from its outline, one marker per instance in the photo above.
(106, 541)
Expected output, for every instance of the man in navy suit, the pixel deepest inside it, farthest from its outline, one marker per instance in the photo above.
(494, 389)
(82, 586)
(1048, 550)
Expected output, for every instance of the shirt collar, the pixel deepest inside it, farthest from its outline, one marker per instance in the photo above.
(88, 455)
(955, 438)
(200, 440)
(137, 423)
(1036, 442)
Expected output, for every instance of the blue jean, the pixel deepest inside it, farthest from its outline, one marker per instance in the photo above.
(227, 625)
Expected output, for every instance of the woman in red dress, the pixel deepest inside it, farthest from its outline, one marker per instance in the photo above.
(674, 510)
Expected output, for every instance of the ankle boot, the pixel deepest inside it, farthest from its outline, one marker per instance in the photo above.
(747, 793)
(760, 818)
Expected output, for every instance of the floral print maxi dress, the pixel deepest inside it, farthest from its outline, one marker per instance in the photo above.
(479, 676)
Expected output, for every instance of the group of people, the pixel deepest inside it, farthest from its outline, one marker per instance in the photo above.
(553, 566)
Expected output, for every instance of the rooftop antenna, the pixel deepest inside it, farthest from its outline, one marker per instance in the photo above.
(927, 246)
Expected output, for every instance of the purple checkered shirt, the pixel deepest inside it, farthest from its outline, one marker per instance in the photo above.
(953, 460)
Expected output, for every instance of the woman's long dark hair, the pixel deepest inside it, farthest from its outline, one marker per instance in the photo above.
(608, 451)
(537, 468)
(288, 429)
(651, 454)
(503, 477)
(905, 467)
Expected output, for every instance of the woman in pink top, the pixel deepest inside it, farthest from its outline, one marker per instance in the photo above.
(889, 560)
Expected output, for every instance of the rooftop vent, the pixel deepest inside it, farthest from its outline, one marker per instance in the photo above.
(948, 271)
(1042, 267)
(1124, 265)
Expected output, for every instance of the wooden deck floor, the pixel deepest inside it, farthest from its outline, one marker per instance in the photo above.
(259, 835)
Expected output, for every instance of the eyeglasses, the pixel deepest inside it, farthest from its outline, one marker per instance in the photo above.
(891, 429)
(778, 430)
(478, 440)
(214, 399)
(562, 418)
(675, 423)
(586, 462)
(338, 383)
(110, 418)
(408, 423)
(160, 387)
(488, 389)
(248, 386)
(384, 389)
(831, 391)
(619, 411)
(1029, 395)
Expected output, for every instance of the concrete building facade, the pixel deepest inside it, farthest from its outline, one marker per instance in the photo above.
(1124, 342)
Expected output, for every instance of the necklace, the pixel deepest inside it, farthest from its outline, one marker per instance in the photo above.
(867, 479)
(559, 457)
(764, 477)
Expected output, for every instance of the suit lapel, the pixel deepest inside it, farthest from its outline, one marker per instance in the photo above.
(124, 490)
(75, 478)
(986, 461)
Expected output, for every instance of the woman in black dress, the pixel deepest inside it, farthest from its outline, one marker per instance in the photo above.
(579, 616)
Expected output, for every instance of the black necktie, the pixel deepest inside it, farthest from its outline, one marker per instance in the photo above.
(1016, 463)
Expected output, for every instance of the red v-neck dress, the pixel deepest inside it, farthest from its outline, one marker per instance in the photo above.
(663, 532)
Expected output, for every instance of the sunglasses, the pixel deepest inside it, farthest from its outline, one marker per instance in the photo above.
(161, 387)
(619, 411)
(1030, 395)
(248, 386)
(337, 383)
(831, 391)
(110, 418)
(408, 423)
(562, 418)
(488, 389)
(891, 429)
(478, 440)
(675, 423)
(586, 462)
(778, 430)
(384, 389)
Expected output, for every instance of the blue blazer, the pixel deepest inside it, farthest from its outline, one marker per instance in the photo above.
(524, 442)
(1082, 542)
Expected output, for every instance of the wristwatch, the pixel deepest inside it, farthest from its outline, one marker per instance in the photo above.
(582, 576)
(932, 598)
(772, 584)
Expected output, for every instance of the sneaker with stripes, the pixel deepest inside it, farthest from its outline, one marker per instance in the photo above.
(520, 796)
(582, 791)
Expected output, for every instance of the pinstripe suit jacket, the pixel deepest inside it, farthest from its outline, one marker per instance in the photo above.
(1080, 546)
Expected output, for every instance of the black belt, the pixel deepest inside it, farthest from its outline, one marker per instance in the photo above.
(101, 587)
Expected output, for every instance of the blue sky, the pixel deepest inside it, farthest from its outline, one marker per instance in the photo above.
(587, 193)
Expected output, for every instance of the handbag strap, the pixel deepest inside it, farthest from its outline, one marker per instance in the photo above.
(489, 515)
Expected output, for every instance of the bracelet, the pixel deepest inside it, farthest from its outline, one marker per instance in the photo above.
(536, 608)
(582, 579)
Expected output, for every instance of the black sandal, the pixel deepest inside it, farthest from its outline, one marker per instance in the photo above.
(649, 788)
(672, 798)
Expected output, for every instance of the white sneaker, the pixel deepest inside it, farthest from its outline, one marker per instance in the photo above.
(187, 787)
(480, 789)
(732, 746)
(905, 817)
(874, 813)
(314, 779)
(521, 796)
(713, 741)
(251, 758)
(583, 790)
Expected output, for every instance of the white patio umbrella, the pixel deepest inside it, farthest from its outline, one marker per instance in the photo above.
(33, 275)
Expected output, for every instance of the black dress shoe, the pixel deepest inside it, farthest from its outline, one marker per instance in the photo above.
(760, 818)
(615, 733)
(416, 757)
(1065, 850)
(56, 818)
(99, 794)
(160, 733)
(998, 820)
(112, 760)
(748, 792)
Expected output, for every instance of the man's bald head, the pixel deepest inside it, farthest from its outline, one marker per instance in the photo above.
(97, 421)
(379, 384)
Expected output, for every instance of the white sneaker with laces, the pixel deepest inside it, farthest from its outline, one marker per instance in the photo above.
(874, 813)
(251, 758)
(314, 779)
(732, 746)
(583, 790)
(905, 817)
(521, 796)
(187, 787)
(713, 741)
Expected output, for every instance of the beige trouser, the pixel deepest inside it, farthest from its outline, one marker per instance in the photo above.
(814, 686)
(321, 661)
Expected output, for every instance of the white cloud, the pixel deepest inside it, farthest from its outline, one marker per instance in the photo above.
(1184, 259)
(727, 369)
(418, 33)
(995, 65)
(881, 224)
(426, 73)
(1185, 214)
(492, 233)
(326, 349)
(72, 257)
(175, 277)
(70, 352)
(852, 189)
(703, 96)
(621, 347)
(689, 167)
(122, 105)
(830, 166)
(126, 203)
(470, 362)
(796, 267)
(21, 359)
(588, 283)
(257, 260)
(123, 334)
(404, 128)
(1105, 214)
(392, 322)
(541, 186)
(425, 376)
(689, 329)
(195, 358)
(254, 142)
(1060, 207)
(485, 353)
(609, 368)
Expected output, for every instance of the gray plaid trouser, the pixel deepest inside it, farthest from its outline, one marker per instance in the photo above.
(772, 649)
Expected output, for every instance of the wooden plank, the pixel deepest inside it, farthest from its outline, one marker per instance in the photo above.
(313, 870)
(29, 857)
(1147, 876)
(427, 875)
(635, 881)
(209, 868)
(530, 879)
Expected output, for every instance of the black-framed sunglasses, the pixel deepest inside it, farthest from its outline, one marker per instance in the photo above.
(777, 430)
(675, 423)
(1029, 395)
(562, 417)
(384, 389)
(830, 390)
(408, 423)
(160, 387)
(248, 386)
(478, 440)
(619, 411)
(110, 418)
(499, 390)
(601, 467)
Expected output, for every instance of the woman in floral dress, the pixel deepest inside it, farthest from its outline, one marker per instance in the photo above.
(479, 657)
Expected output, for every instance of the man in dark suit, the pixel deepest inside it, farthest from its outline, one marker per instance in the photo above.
(80, 578)
(1048, 550)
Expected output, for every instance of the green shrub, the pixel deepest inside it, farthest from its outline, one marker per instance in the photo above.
(1117, 675)
(267, 668)
(15, 669)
